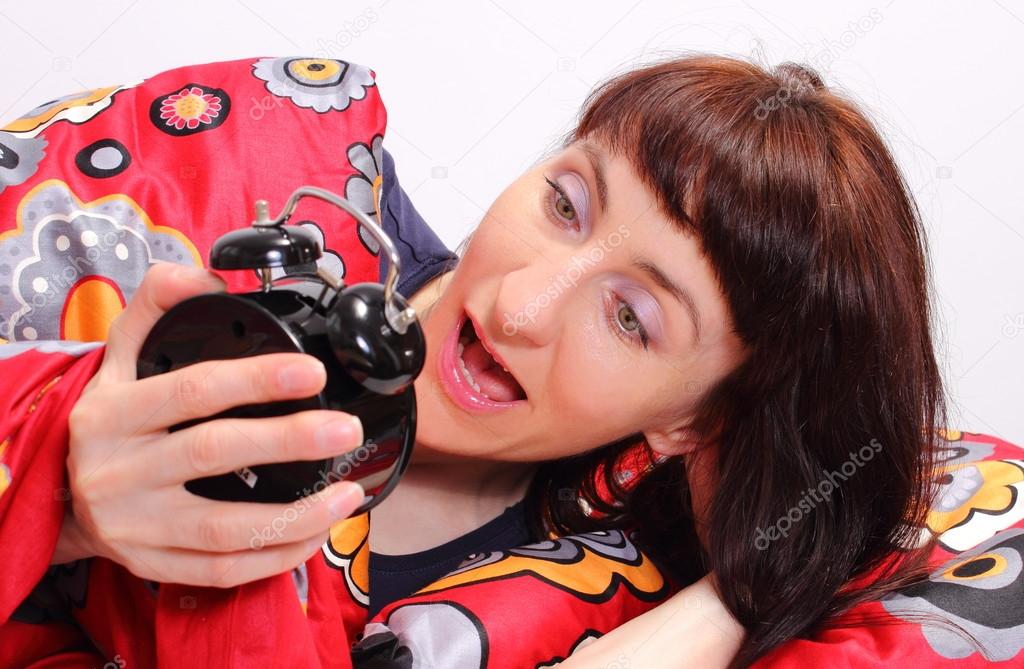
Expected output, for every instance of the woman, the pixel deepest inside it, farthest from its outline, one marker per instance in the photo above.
(801, 248)
(748, 303)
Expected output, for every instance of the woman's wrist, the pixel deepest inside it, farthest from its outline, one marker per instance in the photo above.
(72, 543)
(704, 597)
(695, 613)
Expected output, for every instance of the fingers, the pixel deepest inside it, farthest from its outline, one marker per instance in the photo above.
(209, 387)
(248, 542)
(224, 570)
(164, 285)
(227, 444)
(228, 527)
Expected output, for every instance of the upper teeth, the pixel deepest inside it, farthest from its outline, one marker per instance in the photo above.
(466, 374)
(465, 370)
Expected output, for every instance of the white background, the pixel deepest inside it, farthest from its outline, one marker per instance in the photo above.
(477, 92)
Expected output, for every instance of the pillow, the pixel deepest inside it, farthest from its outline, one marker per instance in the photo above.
(976, 581)
(97, 186)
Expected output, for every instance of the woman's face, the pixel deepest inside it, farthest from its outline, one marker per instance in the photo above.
(592, 299)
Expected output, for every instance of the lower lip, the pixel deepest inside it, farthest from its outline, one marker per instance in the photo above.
(455, 384)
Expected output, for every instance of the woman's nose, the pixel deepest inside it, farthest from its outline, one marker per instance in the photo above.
(529, 301)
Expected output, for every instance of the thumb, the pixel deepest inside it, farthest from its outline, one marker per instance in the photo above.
(164, 285)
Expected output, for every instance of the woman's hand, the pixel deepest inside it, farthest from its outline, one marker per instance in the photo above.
(692, 629)
(126, 471)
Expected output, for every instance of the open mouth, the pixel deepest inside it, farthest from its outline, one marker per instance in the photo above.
(485, 374)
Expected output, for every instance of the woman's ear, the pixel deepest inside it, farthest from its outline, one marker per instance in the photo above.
(673, 441)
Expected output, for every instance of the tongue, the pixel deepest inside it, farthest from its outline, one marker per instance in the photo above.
(494, 381)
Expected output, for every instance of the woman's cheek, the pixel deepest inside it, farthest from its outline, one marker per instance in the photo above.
(591, 377)
(502, 238)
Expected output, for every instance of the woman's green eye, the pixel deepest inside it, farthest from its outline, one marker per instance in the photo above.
(561, 206)
(627, 319)
(620, 315)
(565, 208)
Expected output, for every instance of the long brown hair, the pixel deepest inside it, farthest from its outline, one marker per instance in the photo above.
(819, 250)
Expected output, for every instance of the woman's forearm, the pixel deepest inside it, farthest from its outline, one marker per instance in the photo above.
(692, 629)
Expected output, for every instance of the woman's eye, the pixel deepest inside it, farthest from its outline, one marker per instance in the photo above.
(566, 201)
(565, 208)
(623, 321)
(627, 319)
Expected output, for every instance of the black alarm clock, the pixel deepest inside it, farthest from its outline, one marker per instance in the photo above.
(367, 336)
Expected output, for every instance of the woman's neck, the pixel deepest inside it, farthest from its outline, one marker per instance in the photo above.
(435, 502)
(440, 498)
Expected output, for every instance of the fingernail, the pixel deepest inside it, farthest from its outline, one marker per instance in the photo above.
(297, 376)
(347, 500)
(194, 274)
(340, 434)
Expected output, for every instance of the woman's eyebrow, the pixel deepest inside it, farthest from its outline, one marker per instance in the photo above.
(597, 164)
(682, 295)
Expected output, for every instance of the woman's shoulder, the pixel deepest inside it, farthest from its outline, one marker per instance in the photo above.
(421, 251)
